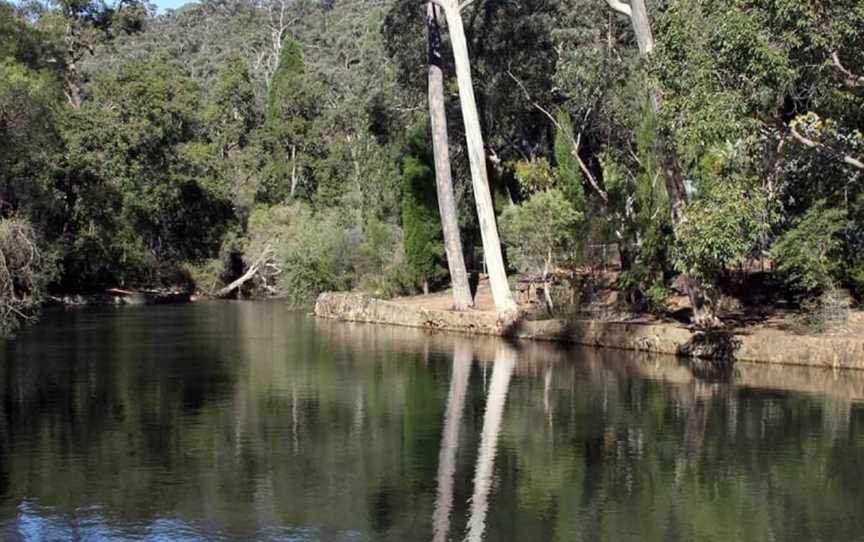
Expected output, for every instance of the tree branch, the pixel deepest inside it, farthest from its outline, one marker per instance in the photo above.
(574, 142)
(850, 160)
(852, 80)
(620, 7)
(251, 272)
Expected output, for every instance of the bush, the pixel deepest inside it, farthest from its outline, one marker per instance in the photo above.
(827, 311)
(718, 231)
(25, 272)
(322, 251)
(806, 255)
(541, 231)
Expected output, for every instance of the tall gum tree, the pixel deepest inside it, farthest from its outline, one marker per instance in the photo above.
(637, 12)
(462, 299)
(501, 294)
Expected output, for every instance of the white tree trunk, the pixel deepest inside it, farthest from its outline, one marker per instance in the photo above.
(642, 26)
(477, 159)
(462, 358)
(462, 299)
(293, 169)
(502, 371)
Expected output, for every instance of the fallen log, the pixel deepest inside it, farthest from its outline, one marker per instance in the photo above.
(262, 259)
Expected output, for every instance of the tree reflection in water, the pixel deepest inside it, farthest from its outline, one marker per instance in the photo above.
(462, 359)
(246, 421)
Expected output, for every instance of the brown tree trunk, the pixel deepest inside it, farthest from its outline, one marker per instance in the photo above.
(501, 294)
(462, 299)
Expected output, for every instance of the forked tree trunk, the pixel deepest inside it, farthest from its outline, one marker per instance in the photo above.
(501, 294)
(462, 299)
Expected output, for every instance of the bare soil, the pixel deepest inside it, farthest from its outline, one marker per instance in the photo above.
(603, 305)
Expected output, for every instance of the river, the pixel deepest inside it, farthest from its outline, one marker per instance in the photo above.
(249, 421)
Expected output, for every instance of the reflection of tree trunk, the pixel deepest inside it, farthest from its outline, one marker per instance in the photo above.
(505, 360)
(477, 160)
(450, 440)
(547, 394)
(443, 175)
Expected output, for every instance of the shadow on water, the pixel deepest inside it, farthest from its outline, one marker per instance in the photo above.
(239, 421)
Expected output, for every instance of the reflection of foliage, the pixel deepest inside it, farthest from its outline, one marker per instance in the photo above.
(337, 427)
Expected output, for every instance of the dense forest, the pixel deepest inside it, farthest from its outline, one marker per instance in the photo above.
(285, 147)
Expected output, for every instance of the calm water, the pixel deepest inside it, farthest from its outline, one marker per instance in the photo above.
(239, 421)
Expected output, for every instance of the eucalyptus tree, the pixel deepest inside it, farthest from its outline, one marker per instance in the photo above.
(443, 174)
(637, 12)
(493, 257)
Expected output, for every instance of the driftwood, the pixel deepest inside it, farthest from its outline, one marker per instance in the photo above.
(257, 265)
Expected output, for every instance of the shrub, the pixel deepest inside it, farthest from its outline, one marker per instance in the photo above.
(541, 231)
(25, 272)
(806, 255)
(824, 312)
(314, 252)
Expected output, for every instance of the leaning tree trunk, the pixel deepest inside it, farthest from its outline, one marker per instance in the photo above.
(477, 159)
(703, 310)
(462, 299)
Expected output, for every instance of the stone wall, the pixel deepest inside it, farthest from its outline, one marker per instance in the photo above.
(756, 345)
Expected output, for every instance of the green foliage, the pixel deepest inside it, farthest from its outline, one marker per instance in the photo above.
(567, 171)
(195, 130)
(134, 207)
(287, 80)
(806, 256)
(421, 223)
(718, 231)
(231, 112)
(541, 232)
(317, 251)
(534, 175)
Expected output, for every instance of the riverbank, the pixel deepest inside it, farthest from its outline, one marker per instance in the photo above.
(757, 343)
(117, 296)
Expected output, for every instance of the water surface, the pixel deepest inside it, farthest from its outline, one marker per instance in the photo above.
(239, 421)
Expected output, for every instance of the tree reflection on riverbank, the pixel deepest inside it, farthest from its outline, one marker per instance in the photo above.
(245, 420)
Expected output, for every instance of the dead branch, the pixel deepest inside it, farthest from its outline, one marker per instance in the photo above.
(852, 80)
(574, 142)
(850, 160)
(620, 7)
